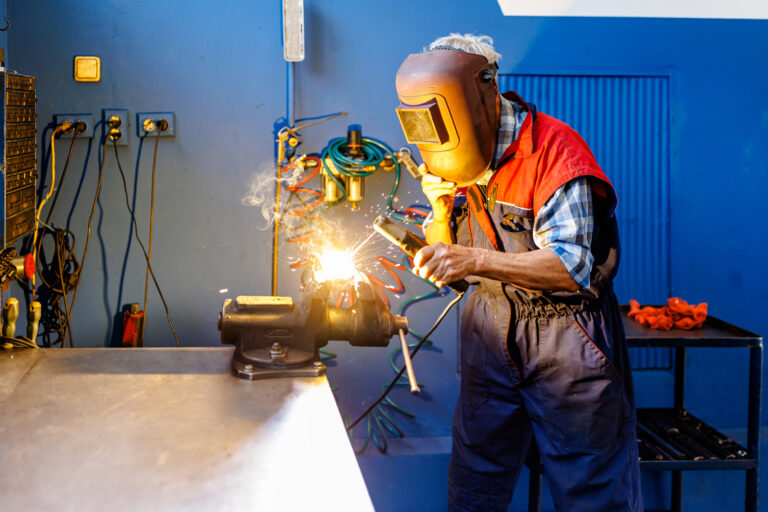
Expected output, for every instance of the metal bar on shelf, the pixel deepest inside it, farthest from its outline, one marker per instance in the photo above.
(535, 485)
(679, 402)
(697, 465)
(677, 491)
(679, 399)
(753, 425)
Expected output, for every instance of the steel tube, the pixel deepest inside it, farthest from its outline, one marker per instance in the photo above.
(408, 363)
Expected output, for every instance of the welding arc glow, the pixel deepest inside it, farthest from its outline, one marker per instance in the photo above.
(335, 264)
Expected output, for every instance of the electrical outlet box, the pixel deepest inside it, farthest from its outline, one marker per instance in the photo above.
(122, 114)
(147, 124)
(74, 118)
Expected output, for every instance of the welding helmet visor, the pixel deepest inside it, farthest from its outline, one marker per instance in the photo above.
(448, 109)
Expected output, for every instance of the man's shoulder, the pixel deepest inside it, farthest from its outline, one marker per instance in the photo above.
(552, 134)
(553, 128)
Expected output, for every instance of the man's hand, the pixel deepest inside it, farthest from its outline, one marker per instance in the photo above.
(445, 263)
(440, 194)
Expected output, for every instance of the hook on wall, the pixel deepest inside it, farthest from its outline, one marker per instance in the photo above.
(7, 25)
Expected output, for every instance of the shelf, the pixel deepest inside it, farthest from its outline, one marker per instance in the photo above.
(673, 439)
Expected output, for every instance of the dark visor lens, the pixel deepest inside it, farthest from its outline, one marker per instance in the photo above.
(422, 124)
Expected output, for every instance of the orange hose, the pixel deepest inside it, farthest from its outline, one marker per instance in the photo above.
(380, 286)
(414, 212)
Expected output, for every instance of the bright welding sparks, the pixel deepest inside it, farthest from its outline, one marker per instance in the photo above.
(335, 264)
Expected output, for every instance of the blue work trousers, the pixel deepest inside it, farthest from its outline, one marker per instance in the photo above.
(559, 378)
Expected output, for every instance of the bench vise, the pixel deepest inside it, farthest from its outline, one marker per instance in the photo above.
(276, 337)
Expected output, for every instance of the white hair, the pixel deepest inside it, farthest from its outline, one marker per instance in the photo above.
(470, 43)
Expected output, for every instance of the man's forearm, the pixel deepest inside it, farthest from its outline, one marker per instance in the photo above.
(439, 231)
(535, 270)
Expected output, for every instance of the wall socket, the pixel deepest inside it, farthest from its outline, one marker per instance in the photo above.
(73, 118)
(123, 127)
(147, 124)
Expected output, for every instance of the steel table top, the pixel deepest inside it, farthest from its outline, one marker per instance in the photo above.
(167, 429)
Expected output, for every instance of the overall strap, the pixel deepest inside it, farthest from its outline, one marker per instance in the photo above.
(477, 204)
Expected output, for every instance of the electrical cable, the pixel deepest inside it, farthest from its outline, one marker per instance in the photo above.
(143, 249)
(88, 234)
(60, 262)
(423, 340)
(58, 252)
(63, 272)
(17, 342)
(63, 175)
(69, 261)
(149, 252)
(62, 127)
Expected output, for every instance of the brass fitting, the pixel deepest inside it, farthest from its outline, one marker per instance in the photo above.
(10, 315)
(34, 313)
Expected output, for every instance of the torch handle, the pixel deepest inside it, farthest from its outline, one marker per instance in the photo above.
(408, 364)
(410, 244)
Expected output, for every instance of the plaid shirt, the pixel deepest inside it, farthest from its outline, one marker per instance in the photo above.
(565, 223)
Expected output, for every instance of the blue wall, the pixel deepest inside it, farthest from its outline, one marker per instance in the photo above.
(220, 68)
(4, 34)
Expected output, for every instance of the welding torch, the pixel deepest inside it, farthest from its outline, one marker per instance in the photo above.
(410, 244)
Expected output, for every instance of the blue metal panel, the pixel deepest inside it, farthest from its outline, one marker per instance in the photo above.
(625, 121)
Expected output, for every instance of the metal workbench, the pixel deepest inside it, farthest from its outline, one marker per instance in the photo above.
(714, 334)
(167, 429)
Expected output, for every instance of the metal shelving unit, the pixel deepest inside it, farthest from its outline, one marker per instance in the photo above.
(714, 334)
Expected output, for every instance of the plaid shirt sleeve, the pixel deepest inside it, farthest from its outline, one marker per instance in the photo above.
(564, 225)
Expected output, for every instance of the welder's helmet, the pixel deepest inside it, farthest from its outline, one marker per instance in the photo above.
(448, 109)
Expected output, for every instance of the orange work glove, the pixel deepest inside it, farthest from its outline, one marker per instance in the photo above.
(678, 314)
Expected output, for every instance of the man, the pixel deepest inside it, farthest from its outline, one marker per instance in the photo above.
(522, 209)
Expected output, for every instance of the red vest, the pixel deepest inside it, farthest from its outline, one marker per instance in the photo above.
(546, 154)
